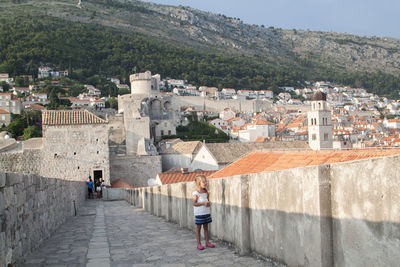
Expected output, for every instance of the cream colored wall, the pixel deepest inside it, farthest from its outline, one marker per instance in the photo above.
(344, 214)
(203, 161)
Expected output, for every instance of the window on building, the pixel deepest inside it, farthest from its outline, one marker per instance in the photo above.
(3, 117)
(169, 132)
(162, 132)
(325, 137)
(165, 124)
(314, 137)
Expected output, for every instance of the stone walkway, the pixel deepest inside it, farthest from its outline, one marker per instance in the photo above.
(117, 234)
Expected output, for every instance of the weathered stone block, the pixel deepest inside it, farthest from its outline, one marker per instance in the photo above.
(2, 242)
(2, 179)
(2, 204)
(8, 194)
(13, 178)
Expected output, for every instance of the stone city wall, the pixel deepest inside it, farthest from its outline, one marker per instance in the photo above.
(220, 104)
(344, 214)
(134, 170)
(27, 161)
(31, 208)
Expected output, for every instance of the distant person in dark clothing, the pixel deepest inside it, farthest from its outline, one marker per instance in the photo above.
(90, 187)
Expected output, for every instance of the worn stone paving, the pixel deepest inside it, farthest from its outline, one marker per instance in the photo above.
(114, 233)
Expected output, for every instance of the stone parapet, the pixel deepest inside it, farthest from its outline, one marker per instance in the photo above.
(32, 208)
(342, 214)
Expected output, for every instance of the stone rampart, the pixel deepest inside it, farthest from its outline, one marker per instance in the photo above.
(27, 161)
(199, 103)
(344, 214)
(31, 208)
(135, 170)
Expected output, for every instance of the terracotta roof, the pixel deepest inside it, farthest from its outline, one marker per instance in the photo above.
(2, 111)
(280, 160)
(34, 106)
(70, 117)
(121, 184)
(178, 177)
(225, 153)
(191, 147)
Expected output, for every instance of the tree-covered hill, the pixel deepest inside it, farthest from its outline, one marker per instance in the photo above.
(90, 49)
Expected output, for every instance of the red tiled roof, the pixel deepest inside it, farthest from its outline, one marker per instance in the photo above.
(2, 111)
(178, 177)
(70, 117)
(34, 106)
(280, 160)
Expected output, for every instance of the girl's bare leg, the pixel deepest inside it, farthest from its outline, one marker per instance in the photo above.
(198, 228)
(205, 228)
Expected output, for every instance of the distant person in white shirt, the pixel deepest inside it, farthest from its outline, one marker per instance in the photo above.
(202, 211)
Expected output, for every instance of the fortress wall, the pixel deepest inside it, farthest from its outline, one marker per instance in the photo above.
(32, 208)
(366, 212)
(343, 214)
(27, 161)
(135, 170)
(220, 104)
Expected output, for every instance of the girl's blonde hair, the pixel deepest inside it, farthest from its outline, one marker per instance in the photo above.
(198, 179)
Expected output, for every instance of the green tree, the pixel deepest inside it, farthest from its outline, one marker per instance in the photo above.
(5, 86)
(31, 132)
(112, 103)
(17, 125)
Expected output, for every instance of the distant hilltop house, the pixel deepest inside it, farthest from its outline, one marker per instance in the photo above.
(123, 86)
(10, 103)
(5, 78)
(175, 83)
(37, 98)
(5, 117)
(21, 90)
(115, 81)
(44, 72)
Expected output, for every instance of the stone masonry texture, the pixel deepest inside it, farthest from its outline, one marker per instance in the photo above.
(31, 209)
(114, 233)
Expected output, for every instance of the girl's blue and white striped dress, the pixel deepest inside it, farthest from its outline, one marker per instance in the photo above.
(202, 214)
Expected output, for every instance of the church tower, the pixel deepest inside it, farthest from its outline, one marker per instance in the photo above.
(319, 123)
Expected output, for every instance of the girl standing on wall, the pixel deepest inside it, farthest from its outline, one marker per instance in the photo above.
(202, 211)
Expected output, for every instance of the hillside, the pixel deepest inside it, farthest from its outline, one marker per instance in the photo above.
(356, 60)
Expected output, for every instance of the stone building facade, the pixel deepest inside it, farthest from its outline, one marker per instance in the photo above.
(75, 145)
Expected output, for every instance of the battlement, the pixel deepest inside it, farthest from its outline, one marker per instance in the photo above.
(140, 76)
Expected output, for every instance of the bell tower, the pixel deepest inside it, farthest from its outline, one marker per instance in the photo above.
(319, 123)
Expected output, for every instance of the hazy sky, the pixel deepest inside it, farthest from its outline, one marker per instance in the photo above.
(360, 17)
